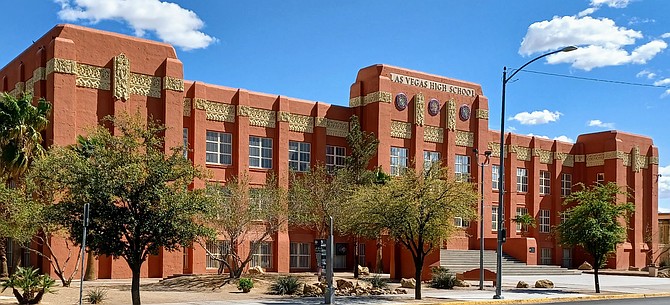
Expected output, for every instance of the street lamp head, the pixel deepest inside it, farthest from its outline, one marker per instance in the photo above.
(475, 151)
(569, 49)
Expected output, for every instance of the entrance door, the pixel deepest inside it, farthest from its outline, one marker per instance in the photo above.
(567, 258)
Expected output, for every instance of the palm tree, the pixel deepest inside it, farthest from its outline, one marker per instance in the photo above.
(21, 124)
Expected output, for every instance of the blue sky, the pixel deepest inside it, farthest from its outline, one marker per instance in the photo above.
(313, 50)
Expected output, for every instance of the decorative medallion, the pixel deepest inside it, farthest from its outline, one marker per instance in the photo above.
(434, 107)
(464, 112)
(401, 101)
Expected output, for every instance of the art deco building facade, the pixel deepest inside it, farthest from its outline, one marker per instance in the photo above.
(88, 74)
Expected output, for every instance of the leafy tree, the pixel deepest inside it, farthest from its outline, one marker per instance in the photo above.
(595, 223)
(21, 125)
(241, 214)
(526, 221)
(417, 210)
(139, 195)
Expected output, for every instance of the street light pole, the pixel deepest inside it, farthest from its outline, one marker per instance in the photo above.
(487, 154)
(501, 193)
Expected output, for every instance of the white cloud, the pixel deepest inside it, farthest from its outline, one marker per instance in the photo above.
(636, 20)
(169, 21)
(601, 42)
(663, 82)
(564, 139)
(666, 35)
(536, 117)
(666, 93)
(611, 3)
(511, 129)
(537, 136)
(646, 73)
(587, 12)
(599, 123)
(664, 182)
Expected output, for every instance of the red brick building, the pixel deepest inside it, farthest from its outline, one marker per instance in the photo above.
(88, 74)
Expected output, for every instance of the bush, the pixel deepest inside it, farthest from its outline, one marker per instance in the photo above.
(285, 285)
(443, 279)
(96, 296)
(377, 281)
(32, 284)
(245, 284)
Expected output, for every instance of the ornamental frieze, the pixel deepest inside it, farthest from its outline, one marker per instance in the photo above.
(401, 130)
(146, 85)
(188, 106)
(214, 111)
(297, 122)
(258, 117)
(451, 115)
(356, 101)
(465, 138)
(597, 159)
(482, 114)
(545, 156)
(653, 160)
(60, 65)
(173, 83)
(93, 77)
(522, 153)
(337, 128)
(433, 134)
(379, 96)
(567, 159)
(419, 109)
(494, 147)
(121, 77)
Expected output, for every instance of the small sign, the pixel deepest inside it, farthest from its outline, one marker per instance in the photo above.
(531, 249)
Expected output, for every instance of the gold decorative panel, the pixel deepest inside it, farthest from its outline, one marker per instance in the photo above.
(522, 153)
(188, 106)
(337, 128)
(257, 116)
(146, 85)
(546, 156)
(297, 122)
(482, 114)
(215, 111)
(451, 115)
(93, 77)
(465, 138)
(494, 147)
(61, 65)
(597, 159)
(433, 134)
(653, 160)
(580, 158)
(567, 159)
(121, 77)
(356, 101)
(173, 83)
(379, 96)
(401, 130)
(419, 109)
(320, 122)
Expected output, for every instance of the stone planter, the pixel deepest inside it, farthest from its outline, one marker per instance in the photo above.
(653, 271)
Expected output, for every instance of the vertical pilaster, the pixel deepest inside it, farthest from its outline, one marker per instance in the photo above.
(61, 91)
(280, 152)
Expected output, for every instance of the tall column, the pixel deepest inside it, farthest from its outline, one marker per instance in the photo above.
(280, 163)
(61, 91)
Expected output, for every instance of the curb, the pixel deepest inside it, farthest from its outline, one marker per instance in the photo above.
(556, 300)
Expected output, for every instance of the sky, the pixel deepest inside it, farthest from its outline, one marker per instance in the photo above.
(313, 49)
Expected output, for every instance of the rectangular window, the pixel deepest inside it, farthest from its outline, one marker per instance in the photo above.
(494, 218)
(262, 256)
(495, 177)
(564, 216)
(521, 180)
(398, 160)
(545, 221)
(545, 256)
(462, 168)
(335, 157)
(219, 148)
(9, 253)
(299, 156)
(567, 258)
(600, 178)
(260, 152)
(341, 255)
(520, 212)
(430, 158)
(566, 184)
(300, 255)
(185, 139)
(361, 254)
(545, 183)
(217, 250)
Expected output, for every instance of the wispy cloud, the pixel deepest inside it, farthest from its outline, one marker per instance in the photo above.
(536, 117)
(646, 73)
(170, 22)
(559, 138)
(599, 123)
(662, 82)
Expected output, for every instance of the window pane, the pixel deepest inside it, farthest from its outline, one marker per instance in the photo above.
(254, 151)
(211, 147)
(212, 136)
(266, 153)
(211, 158)
(267, 163)
(255, 141)
(254, 162)
(267, 142)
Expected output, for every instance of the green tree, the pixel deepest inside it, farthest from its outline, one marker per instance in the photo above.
(139, 195)
(417, 210)
(526, 220)
(245, 214)
(21, 124)
(596, 223)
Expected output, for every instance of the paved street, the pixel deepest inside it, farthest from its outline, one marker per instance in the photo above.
(645, 301)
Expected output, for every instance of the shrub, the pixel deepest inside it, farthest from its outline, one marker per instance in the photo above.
(245, 284)
(32, 285)
(377, 281)
(285, 285)
(96, 296)
(443, 279)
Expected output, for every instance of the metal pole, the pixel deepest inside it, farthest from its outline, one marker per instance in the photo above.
(501, 192)
(83, 253)
(481, 231)
(330, 292)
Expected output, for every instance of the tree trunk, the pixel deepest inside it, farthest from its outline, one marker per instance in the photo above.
(4, 270)
(380, 251)
(356, 257)
(135, 286)
(595, 276)
(418, 268)
(91, 274)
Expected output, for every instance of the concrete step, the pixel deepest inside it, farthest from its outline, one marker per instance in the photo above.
(464, 260)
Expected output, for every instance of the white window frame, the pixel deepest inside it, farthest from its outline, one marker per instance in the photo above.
(545, 256)
(299, 156)
(263, 159)
(218, 249)
(494, 218)
(398, 160)
(459, 222)
(462, 168)
(262, 256)
(520, 211)
(566, 184)
(564, 216)
(545, 182)
(521, 180)
(600, 178)
(223, 142)
(545, 221)
(495, 177)
(300, 255)
(430, 158)
(335, 157)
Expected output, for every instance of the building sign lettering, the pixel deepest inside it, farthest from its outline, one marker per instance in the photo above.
(432, 85)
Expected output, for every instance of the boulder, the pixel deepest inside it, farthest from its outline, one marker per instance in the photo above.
(345, 284)
(461, 283)
(408, 283)
(312, 290)
(585, 266)
(300, 289)
(544, 284)
(256, 270)
(522, 284)
(363, 285)
(400, 291)
(363, 270)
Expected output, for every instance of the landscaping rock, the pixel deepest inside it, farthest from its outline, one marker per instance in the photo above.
(585, 266)
(301, 288)
(256, 270)
(345, 285)
(312, 290)
(408, 283)
(400, 291)
(522, 284)
(461, 283)
(363, 270)
(544, 284)
(363, 285)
